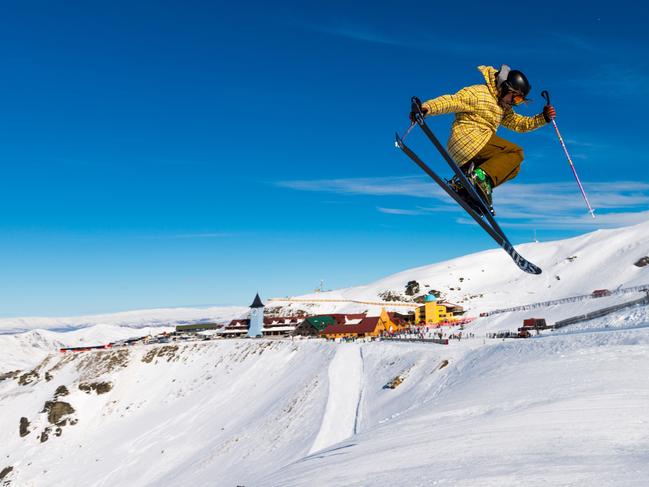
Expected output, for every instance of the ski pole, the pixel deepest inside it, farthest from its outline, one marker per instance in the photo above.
(412, 125)
(416, 103)
(546, 95)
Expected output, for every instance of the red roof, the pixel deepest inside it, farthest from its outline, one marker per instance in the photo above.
(341, 319)
(238, 324)
(367, 325)
(282, 320)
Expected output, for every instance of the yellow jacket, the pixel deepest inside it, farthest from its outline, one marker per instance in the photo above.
(477, 116)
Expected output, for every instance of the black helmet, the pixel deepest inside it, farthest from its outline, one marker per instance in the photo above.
(510, 79)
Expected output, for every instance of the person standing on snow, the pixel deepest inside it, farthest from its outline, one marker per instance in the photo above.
(486, 159)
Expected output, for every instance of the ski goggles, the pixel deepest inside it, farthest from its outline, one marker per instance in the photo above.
(519, 98)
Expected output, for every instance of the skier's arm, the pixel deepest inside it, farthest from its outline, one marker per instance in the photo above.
(520, 123)
(462, 101)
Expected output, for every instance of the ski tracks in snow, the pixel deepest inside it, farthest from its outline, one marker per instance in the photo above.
(343, 402)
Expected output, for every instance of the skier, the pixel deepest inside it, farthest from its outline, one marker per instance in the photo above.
(486, 159)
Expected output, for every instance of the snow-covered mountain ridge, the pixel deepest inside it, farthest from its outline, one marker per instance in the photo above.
(25, 350)
(604, 259)
(132, 319)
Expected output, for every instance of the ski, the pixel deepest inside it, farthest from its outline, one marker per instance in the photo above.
(473, 193)
(493, 231)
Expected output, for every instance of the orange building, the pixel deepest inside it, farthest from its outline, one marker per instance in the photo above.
(367, 326)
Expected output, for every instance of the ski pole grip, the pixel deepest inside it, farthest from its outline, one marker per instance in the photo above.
(415, 104)
(546, 95)
(415, 107)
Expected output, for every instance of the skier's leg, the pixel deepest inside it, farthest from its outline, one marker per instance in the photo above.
(500, 159)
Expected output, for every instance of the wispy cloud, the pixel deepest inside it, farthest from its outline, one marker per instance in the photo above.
(585, 143)
(545, 205)
(616, 81)
(451, 207)
(444, 43)
(204, 235)
(384, 186)
(565, 196)
(397, 211)
(584, 221)
(598, 47)
(619, 81)
(362, 33)
(175, 236)
(576, 43)
(557, 44)
(561, 205)
(152, 162)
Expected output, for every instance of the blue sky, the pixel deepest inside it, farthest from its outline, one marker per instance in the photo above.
(189, 153)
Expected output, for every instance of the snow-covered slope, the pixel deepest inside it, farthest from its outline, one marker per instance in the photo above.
(564, 408)
(213, 413)
(553, 410)
(548, 411)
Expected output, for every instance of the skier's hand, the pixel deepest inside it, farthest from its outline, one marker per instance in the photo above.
(549, 113)
(414, 112)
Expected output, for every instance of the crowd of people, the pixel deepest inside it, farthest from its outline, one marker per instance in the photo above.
(426, 333)
(436, 334)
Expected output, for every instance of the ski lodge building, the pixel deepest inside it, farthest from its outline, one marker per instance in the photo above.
(278, 326)
(259, 325)
(351, 326)
(312, 326)
(331, 326)
(434, 312)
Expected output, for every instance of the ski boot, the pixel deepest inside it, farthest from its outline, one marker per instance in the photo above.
(481, 182)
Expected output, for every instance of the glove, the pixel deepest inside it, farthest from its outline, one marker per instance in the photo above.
(416, 108)
(549, 113)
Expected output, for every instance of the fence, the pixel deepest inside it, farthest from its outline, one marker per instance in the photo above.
(401, 304)
(572, 299)
(439, 341)
(600, 312)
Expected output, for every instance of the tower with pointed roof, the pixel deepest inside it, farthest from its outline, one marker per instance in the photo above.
(256, 318)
